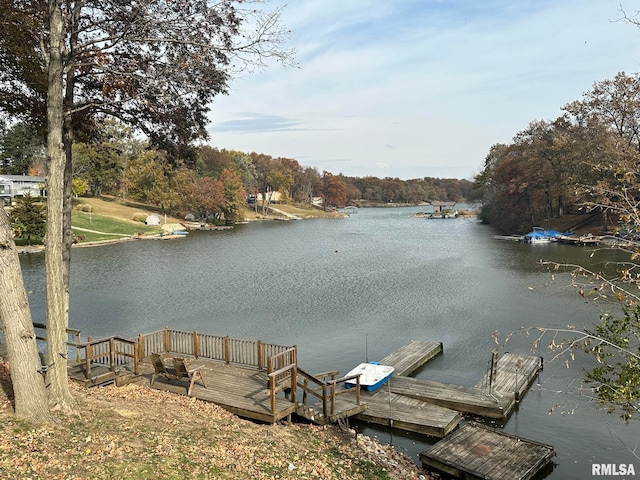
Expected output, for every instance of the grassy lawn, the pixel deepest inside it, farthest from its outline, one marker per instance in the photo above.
(111, 215)
(107, 225)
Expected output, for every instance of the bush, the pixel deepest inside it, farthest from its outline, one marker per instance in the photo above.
(84, 207)
(139, 217)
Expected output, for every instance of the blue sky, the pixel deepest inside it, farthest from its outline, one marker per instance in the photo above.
(421, 88)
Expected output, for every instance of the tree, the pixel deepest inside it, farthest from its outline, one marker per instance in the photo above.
(205, 198)
(28, 218)
(234, 195)
(334, 191)
(30, 396)
(19, 146)
(149, 179)
(152, 64)
(79, 187)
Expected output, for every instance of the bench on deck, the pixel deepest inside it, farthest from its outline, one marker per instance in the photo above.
(181, 369)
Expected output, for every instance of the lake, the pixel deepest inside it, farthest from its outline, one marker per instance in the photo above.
(355, 289)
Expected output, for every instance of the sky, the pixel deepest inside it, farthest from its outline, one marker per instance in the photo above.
(421, 88)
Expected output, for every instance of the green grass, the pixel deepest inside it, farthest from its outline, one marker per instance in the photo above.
(107, 225)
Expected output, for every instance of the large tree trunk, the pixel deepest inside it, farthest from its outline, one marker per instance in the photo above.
(29, 390)
(57, 320)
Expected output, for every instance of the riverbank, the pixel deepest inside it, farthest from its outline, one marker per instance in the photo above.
(125, 212)
(136, 432)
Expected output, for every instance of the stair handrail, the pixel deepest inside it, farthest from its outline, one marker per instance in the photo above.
(115, 355)
(326, 391)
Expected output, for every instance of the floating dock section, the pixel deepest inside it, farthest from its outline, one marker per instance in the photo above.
(414, 415)
(410, 357)
(495, 396)
(478, 452)
(434, 408)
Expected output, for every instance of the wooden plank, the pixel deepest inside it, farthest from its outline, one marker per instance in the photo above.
(241, 390)
(408, 414)
(343, 408)
(475, 451)
(514, 374)
(465, 399)
(411, 356)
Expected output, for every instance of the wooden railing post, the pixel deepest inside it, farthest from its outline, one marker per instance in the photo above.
(324, 400)
(358, 390)
(272, 386)
(196, 343)
(140, 347)
(88, 354)
(78, 340)
(226, 349)
(167, 340)
(136, 357)
(294, 384)
(112, 353)
(259, 345)
(333, 398)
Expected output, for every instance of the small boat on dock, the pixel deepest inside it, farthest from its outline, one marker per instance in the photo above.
(540, 235)
(372, 376)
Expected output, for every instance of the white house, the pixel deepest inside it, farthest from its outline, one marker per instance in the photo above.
(20, 185)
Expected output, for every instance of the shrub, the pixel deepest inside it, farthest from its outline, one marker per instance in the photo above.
(139, 217)
(84, 207)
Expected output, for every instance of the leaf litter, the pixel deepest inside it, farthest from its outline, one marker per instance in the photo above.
(135, 432)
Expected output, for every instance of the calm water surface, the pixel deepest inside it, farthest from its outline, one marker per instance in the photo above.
(355, 289)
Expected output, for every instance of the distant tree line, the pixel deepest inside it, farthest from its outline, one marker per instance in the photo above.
(210, 183)
(585, 161)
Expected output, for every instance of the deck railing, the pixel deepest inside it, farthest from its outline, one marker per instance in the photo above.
(73, 338)
(252, 353)
(113, 352)
(324, 386)
(282, 375)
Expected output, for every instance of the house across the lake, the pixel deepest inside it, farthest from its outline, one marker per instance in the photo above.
(12, 186)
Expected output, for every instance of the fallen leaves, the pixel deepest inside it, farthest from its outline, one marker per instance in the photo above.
(137, 432)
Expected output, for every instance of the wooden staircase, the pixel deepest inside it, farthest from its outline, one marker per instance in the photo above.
(332, 405)
(343, 410)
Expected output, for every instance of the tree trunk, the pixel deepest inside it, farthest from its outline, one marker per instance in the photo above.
(59, 395)
(30, 394)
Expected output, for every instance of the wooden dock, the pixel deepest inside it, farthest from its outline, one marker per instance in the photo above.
(410, 357)
(492, 397)
(263, 381)
(478, 452)
(397, 411)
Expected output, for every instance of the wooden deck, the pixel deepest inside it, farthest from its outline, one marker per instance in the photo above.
(408, 358)
(241, 390)
(477, 452)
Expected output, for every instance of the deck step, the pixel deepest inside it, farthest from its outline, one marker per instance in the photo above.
(343, 409)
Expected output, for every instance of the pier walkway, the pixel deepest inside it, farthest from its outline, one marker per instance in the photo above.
(493, 398)
(434, 408)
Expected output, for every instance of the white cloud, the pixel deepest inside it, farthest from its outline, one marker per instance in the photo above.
(438, 81)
